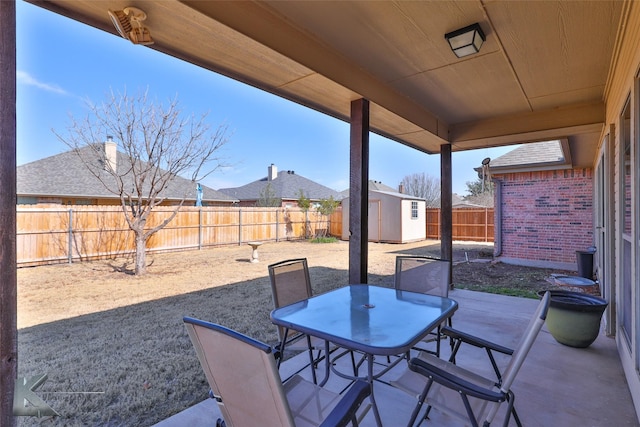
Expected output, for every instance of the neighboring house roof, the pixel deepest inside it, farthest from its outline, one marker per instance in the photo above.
(65, 175)
(466, 204)
(285, 185)
(546, 155)
(456, 200)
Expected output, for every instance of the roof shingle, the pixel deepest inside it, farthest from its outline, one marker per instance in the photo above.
(65, 175)
(286, 186)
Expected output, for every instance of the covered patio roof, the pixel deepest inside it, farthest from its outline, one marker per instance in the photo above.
(541, 73)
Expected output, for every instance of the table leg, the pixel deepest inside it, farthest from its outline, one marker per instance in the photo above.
(327, 364)
(312, 363)
(374, 406)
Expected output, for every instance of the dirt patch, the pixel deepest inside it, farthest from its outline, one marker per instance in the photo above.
(503, 278)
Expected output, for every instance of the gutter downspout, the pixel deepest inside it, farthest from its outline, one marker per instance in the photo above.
(497, 220)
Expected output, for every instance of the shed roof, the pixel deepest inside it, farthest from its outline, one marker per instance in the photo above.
(398, 195)
(373, 185)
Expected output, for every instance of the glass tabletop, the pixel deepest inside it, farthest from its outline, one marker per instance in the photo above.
(371, 319)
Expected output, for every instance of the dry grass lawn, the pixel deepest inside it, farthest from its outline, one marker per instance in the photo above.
(114, 346)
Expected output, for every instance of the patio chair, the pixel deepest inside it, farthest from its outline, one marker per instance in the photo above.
(471, 397)
(245, 382)
(424, 275)
(290, 283)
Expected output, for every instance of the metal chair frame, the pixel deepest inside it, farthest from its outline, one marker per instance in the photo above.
(425, 275)
(466, 384)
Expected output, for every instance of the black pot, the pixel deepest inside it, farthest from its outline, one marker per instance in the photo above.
(574, 318)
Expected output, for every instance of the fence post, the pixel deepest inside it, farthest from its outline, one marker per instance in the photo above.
(239, 226)
(277, 225)
(200, 228)
(70, 243)
(486, 224)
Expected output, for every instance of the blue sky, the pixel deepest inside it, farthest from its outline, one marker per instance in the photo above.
(61, 63)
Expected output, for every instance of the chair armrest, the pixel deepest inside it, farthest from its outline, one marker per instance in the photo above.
(455, 334)
(275, 350)
(453, 382)
(347, 407)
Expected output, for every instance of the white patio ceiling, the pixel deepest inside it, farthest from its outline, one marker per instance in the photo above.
(541, 74)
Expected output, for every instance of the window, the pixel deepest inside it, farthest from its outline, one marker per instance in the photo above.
(626, 160)
(24, 200)
(414, 210)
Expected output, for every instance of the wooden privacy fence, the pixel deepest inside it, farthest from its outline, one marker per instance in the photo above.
(469, 224)
(53, 235)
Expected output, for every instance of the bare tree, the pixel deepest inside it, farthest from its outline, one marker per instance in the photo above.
(159, 144)
(424, 186)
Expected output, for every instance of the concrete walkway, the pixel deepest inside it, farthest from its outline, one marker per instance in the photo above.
(557, 386)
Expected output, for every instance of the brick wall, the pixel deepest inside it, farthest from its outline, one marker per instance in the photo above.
(547, 215)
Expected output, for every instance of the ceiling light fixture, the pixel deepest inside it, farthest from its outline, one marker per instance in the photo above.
(128, 22)
(466, 41)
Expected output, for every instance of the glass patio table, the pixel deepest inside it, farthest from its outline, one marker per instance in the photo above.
(369, 319)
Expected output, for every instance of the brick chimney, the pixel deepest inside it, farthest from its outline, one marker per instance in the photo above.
(401, 188)
(110, 154)
(272, 172)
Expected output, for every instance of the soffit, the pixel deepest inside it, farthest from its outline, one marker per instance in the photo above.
(540, 74)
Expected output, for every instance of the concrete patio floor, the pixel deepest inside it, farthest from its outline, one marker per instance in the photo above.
(557, 386)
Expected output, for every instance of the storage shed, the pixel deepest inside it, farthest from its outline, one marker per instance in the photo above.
(393, 217)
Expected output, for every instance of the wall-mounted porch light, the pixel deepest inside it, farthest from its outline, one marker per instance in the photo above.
(466, 41)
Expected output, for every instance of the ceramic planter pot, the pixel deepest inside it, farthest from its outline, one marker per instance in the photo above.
(574, 318)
